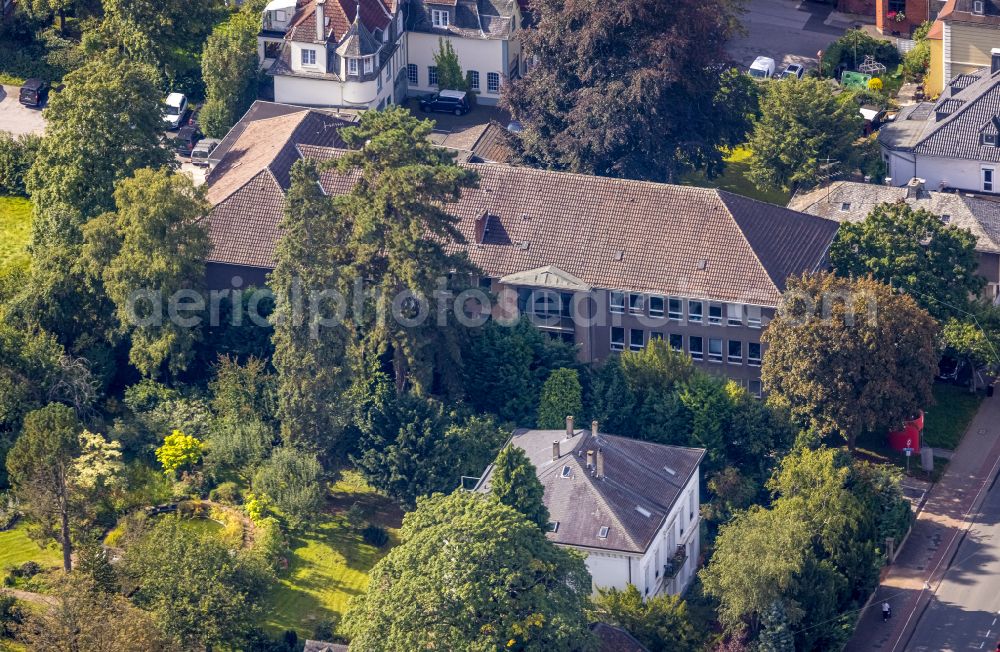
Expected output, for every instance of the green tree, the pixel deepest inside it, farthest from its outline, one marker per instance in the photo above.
(802, 136)
(776, 635)
(29, 364)
(244, 390)
(660, 623)
(562, 395)
(293, 480)
(178, 452)
(309, 356)
(148, 253)
(472, 574)
(16, 157)
(912, 249)
(219, 600)
(971, 341)
(40, 465)
(847, 357)
(515, 483)
(449, 70)
(849, 51)
(627, 89)
(229, 67)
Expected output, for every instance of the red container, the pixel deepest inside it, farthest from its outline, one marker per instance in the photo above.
(909, 436)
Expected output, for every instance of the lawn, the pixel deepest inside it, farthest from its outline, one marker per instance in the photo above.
(15, 226)
(945, 421)
(329, 562)
(734, 179)
(16, 548)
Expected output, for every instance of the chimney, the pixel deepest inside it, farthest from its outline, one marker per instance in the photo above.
(321, 20)
(994, 60)
(593, 427)
(590, 459)
(555, 451)
(569, 426)
(600, 463)
(914, 187)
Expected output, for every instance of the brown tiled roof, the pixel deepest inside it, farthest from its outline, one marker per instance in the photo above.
(340, 14)
(615, 639)
(610, 233)
(491, 146)
(635, 477)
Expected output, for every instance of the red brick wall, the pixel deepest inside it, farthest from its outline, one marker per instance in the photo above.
(915, 12)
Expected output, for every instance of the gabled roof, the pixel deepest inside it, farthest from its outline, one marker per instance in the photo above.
(478, 19)
(340, 15)
(642, 481)
(358, 42)
(849, 201)
(549, 276)
(961, 11)
(615, 639)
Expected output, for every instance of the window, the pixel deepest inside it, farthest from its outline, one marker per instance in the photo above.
(635, 304)
(352, 66)
(553, 526)
(617, 302)
(493, 82)
(676, 342)
(603, 532)
(989, 139)
(695, 311)
(566, 471)
(735, 355)
(714, 314)
(675, 309)
(432, 75)
(715, 349)
(636, 339)
(695, 347)
(987, 179)
(734, 314)
(754, 388)
(369, 65)
(655, 306)
(655, 337)
(977, 7)
(378, 84)
(753, 354)
(617, 338)
(439, 17)
(388, 71)
(308, 57)
(845, 207)
(473, 76)
(753, 316)
(413, 74)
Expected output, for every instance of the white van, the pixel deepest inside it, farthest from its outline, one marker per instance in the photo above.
(762, 68)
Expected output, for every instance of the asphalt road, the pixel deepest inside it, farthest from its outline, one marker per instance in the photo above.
(965, 612)
(17, 118)
(785, 30)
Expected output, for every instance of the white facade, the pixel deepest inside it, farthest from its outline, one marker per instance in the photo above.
(488, 59)
(647, 572)
(939, 173)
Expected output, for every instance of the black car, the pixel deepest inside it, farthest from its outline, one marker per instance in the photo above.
(33, 92)
(186, 139)
(456, 102)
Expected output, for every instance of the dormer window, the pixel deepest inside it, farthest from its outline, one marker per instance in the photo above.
(352, 66)
(308, 57)
(978, 7)
(990, 139)
(439, 17)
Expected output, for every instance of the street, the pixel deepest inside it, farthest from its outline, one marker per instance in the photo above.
(965, 612)
(17, 118)
(785, 30)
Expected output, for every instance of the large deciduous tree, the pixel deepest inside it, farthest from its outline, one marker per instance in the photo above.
(661, 622)
(515, 483)
(803, 135)
(229, 67)
(913, 250)
(849, 356)
(149, 255)
(472, 574)
(630, 89)
(40, 466)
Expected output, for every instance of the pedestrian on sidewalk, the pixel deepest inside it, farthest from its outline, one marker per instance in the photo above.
(886, 611)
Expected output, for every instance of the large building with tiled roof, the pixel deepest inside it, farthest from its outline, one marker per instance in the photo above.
(952, 143)
(631, 506)
(608, 264)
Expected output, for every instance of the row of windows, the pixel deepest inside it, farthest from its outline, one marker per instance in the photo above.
(368, 63)
(733, 351)
(492, 78)
(673, 308)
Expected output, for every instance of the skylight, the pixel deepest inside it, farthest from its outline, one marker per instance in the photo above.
(553, 526)
(566, 471)
(669, 470)
(603, 532)
(642, 510)
(846, 206)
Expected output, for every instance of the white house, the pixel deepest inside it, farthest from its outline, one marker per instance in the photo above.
(483, 34)
(953, 142)
(334, 53)
(631, 506)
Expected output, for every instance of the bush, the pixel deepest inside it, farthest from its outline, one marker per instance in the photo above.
(375, 536)
(9, 511)
(26, 570)
(848, 52)
(232, 526)
(917, 62)
(227, 492)
(16, 156)
(269, 541)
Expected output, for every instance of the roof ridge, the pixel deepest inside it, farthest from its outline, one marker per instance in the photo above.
(621, 180)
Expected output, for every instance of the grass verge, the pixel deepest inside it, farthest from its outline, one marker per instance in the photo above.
(945, 421)
(16, 548)
(734, 179)
(15, 227)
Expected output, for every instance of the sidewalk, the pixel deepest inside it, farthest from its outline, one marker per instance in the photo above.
(909, 583)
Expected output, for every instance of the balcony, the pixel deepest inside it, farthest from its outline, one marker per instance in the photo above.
(675, 564)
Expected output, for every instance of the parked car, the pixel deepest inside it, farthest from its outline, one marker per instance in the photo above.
(187, 138)
(792, 71)
(456, 102)
(762, 68)
(33, 92)
(174, 109)
(204, 149)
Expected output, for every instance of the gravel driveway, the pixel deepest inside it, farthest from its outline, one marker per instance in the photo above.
(17, 118)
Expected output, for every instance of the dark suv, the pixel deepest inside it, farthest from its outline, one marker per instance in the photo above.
(33, 92)
(456, 102)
